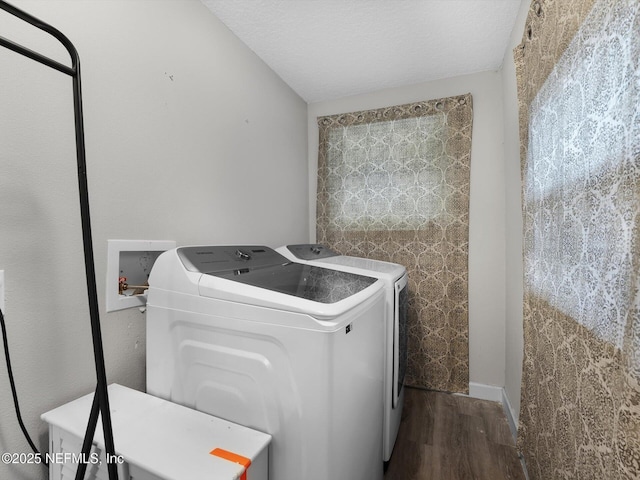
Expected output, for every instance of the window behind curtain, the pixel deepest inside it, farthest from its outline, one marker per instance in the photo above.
(579, 93)
(393, 185)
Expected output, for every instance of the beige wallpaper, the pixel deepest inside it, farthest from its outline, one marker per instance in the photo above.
(393, 185)
(579, 93)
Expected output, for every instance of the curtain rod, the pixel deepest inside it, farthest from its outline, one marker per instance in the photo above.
(101, 399)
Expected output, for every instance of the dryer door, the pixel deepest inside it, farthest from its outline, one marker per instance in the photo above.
(401, 312)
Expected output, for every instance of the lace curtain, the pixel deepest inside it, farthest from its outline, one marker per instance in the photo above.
(579, 92)
(393, 185)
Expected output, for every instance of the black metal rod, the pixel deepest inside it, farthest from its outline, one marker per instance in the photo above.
(36, 56)
(101, 388)
(88, 440)
(101, 394)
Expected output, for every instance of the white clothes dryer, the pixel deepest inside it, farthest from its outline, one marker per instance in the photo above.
(290, 349)
(395, 278)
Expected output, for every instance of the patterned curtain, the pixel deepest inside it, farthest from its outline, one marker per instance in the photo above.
(578, 70)
(393, 185)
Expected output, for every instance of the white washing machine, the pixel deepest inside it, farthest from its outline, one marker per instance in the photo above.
(394, 277)
(290, 349)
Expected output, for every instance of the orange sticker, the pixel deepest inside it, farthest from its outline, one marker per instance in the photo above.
(233, 457)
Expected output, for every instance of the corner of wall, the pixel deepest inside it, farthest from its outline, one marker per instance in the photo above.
(512, 418)
(496, 394)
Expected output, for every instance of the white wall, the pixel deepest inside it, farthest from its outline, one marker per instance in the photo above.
(190, 137)
(514, 270)
(487, 205)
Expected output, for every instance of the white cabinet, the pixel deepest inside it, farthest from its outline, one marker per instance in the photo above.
(155, 440)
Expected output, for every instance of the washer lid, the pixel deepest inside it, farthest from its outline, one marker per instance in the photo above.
(263, 267)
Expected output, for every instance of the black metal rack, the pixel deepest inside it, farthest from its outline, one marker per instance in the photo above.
(101, 400)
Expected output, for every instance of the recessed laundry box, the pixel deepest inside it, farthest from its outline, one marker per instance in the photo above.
(155, 440)
(293, 350)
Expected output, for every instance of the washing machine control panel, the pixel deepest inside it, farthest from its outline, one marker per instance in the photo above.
(219, 258)
(311, 251)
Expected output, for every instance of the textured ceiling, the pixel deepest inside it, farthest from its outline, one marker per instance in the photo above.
(327, 49)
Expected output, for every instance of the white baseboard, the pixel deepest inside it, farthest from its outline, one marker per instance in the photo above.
(485, 392)
(495, 394)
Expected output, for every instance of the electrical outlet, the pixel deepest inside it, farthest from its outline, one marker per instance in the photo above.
(2, 291)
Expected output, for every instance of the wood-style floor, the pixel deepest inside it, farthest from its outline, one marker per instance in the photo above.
(453, 437)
